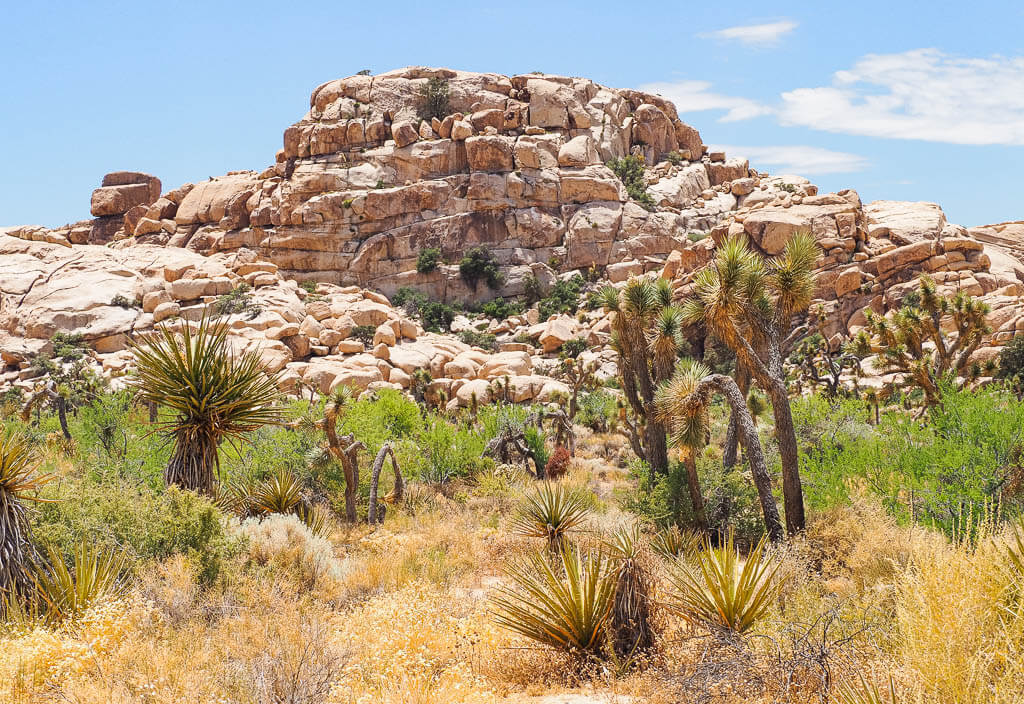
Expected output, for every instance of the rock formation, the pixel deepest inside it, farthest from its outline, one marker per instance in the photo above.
(366, 180)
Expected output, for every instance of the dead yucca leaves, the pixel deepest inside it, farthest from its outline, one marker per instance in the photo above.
(551, 512)
(566, 605)
(631, 613)
(65, 593)
(721, 590)
(865, 692)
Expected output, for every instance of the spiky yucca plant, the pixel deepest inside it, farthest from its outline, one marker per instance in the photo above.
(279, 493)
(567, 607)
(721, 590)
(551, 512)
(65, 593)
(214, 395)
(864, 692)
(18, 484)
(672, 542)
(631, 613)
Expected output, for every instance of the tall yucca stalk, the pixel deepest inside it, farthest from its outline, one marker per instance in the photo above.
(213, 394)
(550, 513)
(567, 606)
(748, 302)
(18, 484)
(721, 590)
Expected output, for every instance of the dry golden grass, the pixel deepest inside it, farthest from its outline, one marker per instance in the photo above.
(401, 614)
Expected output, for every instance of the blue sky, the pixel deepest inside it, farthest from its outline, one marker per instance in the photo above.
(900, 100)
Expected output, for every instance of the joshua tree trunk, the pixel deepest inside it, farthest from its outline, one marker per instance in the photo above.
(62, 415)
(785, 434)
(696, 495)
(378, 465)
(752, 450)
(732, 438)
(346, 450)
(193, 463)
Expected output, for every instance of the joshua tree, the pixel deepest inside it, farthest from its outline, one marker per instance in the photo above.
(913, 343)
(343, 448)
(64, 379)
(18, 482)
(647, 334)
(386, 451)
(749, 303)
(214, 395)
(818, 364)
(682, 404)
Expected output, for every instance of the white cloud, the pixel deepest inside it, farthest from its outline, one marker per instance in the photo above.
(761, 35)
(695, 96)
(922, 94)
(797, 159)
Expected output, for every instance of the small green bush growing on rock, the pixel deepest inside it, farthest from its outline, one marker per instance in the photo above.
(630, 170)
(428, 260)
(434, 99)
(479, 264)
(563, 298)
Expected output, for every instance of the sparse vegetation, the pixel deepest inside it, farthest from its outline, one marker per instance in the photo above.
(478, 264)
(428, 260)
(630, 170)
(433, 99)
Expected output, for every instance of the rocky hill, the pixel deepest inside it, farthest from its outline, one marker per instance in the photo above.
(369, 178)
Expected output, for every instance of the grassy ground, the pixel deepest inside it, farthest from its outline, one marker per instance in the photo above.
(402, 613)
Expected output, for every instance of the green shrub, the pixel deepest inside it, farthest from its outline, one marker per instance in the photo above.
(434, 316)
(124, 302)
(364, 333)
(478, 339)
(573, 348)
(535, 441)
(427, 261)
(501, 308)
(238, 301)
(1011, 362)
(597, 410)
(936, 473)
(449, 452)
(630, 170)
(147, 524)
(563, 298)
(479, 264)
(433, 99)
(389, 415)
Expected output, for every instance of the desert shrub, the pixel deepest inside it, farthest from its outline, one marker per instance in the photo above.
(941, 473)
(284, 542)
(597, 410)
(238, 301)
(630, 170)
(473, 338)
(479, 264)
(1011, 363)
(122, 301)
(388, 415)
(449, 452)
(501, 308)
(536, 442)
(428, 259)
(364, 333)
(730, 499)
(558, 463)
(433, 99)
(144, 523)
(573, 348)
(434, 316)
(564, 297)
